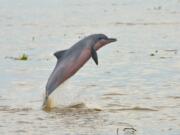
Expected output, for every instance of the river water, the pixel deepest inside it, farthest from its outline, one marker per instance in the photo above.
(135, 88)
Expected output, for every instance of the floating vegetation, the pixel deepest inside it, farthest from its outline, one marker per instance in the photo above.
(22, 57)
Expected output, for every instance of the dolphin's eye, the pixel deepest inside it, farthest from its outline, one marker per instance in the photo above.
(100, 38)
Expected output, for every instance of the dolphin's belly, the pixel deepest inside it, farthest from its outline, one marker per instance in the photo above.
(73, 66)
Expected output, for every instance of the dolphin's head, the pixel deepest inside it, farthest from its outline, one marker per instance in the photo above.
(99, 40)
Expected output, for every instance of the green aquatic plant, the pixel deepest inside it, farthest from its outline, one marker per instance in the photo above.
(23, 57)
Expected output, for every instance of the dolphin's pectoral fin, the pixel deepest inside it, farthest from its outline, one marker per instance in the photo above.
(94, 55)
(59, 54)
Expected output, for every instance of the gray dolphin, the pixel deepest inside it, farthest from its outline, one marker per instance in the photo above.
(71, 60)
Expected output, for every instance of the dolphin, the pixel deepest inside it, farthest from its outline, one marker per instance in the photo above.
(71, 60)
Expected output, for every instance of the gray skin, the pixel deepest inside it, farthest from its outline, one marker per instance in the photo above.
(71, 60)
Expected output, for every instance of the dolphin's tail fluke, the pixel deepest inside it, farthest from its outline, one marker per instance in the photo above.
(45, 102)
(48, 103)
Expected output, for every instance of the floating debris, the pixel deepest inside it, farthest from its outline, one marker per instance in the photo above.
(165, 57)
(33, 38)
(157, 8)
(163, 54)
(129, 131)
(173, 50)
(131, 52)
(152, 54)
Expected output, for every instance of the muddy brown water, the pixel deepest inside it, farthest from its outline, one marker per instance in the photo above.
(134, 90)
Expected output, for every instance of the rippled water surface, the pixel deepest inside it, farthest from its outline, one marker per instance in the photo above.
(134, 90)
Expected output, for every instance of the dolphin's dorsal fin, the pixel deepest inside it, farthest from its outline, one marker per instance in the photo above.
(59, 54)
(94, 55)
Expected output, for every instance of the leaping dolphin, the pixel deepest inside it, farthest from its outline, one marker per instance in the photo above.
(71, 60)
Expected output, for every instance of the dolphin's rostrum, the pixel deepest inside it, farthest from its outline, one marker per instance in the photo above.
(71, 60)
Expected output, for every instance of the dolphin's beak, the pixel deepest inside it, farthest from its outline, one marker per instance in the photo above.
(103, 42)
(111, 40)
